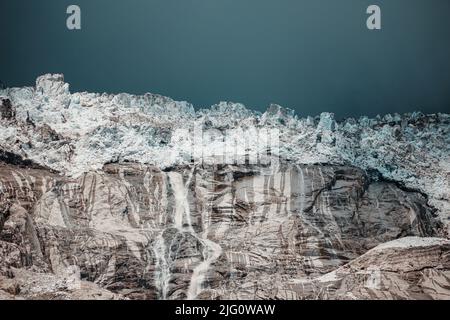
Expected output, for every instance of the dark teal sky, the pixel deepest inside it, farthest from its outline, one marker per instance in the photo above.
(309, 55)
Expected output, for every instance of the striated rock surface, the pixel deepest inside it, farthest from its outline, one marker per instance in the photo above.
(102, 198)
(407, 268)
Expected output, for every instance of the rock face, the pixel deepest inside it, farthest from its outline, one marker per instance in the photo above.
(408, 268)
(205, 232)
(108, 204)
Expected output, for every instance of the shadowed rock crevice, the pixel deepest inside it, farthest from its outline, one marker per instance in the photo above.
(17, 160)
(7, 111)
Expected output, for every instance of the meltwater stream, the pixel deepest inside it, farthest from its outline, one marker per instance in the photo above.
(162, 268)
(210, 253)
(182, 222)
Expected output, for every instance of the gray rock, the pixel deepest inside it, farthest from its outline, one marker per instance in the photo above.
(210, 232)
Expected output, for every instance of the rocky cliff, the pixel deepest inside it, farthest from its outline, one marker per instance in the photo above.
(111, 197)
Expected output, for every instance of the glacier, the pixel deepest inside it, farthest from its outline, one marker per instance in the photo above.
(102, 196)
